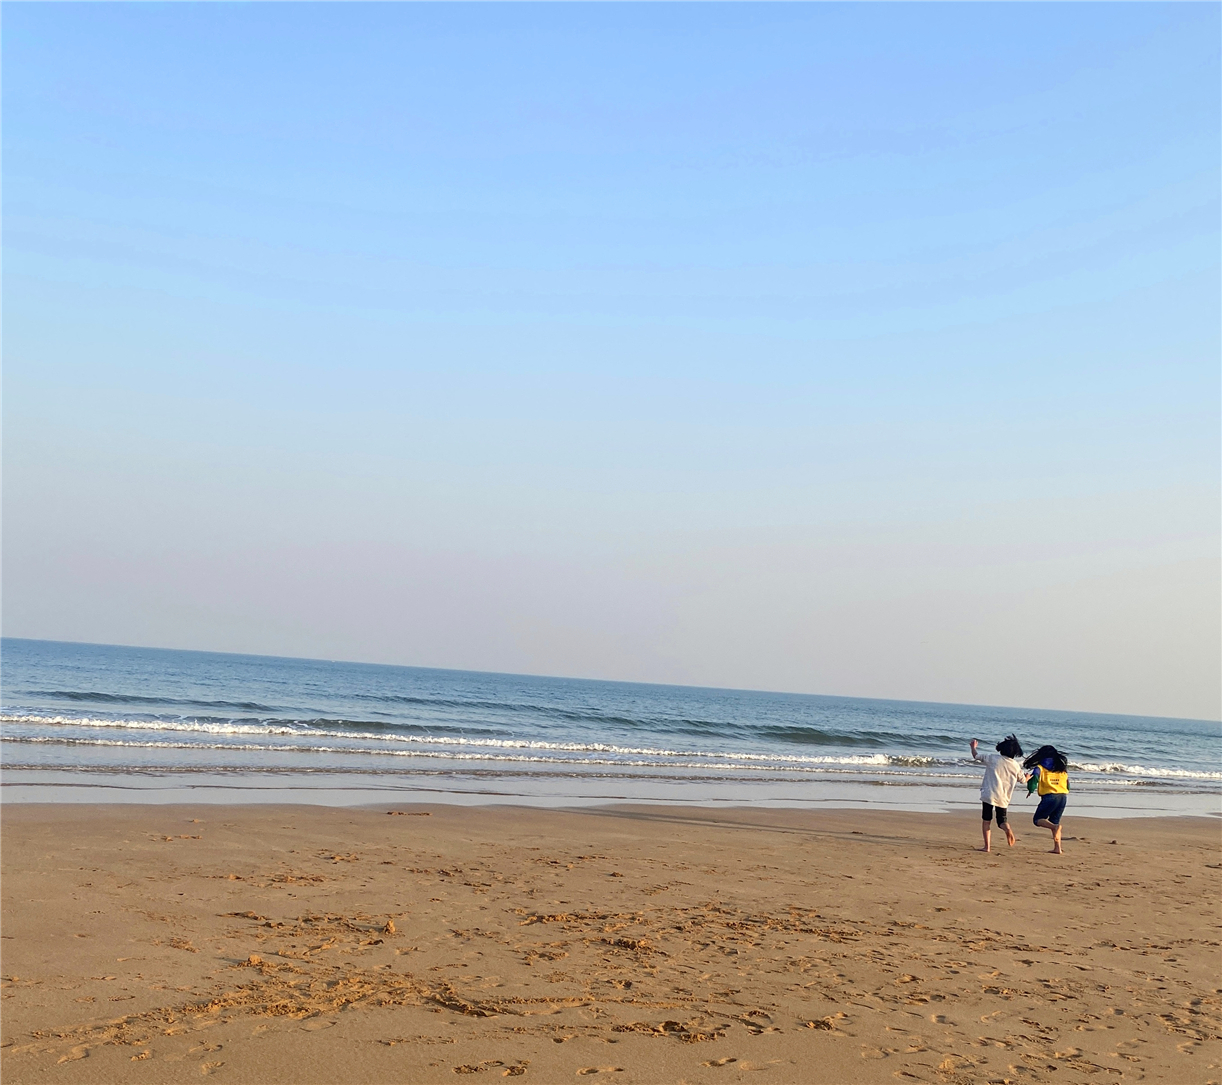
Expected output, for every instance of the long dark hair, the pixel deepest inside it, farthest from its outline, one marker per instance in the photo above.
(1048, 753)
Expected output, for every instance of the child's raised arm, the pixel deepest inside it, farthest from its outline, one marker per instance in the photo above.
(975, 755)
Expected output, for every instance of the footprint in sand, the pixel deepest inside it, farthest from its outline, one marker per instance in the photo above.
(720, 1062)
(601, 1070)
(315, 1026)
(81, 1051)
(868, 1051)
(828, 1024)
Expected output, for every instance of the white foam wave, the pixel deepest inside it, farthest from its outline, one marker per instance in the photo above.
(1142, 770)
(245, 729)
(463, 748)
(727, 762)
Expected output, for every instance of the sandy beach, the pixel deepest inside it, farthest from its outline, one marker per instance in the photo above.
(640, 944)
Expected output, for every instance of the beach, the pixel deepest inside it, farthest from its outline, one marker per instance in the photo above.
(162, 943)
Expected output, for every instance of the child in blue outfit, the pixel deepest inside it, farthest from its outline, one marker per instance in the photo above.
(1050, 777)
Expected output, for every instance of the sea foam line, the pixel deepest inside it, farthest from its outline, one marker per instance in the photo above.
(728, 761)
(1141, 770)
(244, 729)
(458, 742)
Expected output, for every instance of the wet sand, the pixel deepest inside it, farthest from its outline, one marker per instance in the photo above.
(636, 944)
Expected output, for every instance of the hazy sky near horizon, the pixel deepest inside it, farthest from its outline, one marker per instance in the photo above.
(866, 349)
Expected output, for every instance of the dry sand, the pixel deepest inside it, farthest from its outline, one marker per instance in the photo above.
(305, 944)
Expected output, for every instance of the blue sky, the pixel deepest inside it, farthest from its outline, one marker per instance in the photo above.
(863, 349)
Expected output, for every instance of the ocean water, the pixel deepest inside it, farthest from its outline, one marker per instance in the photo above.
(81, 721)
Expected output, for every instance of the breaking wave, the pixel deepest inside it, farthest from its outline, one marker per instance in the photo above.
(487, 747)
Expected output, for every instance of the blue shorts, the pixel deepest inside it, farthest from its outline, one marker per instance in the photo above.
(1051, 808)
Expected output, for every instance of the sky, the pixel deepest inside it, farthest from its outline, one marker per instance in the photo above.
(868, 350)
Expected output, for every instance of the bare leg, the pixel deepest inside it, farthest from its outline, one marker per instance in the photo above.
(1011, 839)
(1044, 823)
(984, 828)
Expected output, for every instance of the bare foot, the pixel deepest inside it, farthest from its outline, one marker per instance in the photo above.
(984, 849)
(1011, 840)
(1057, 850)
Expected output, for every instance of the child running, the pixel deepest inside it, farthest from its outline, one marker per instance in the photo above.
(1050, 777)
(1001, 772)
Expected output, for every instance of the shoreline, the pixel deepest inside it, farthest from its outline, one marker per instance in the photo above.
(410, 941)
(1091, 798)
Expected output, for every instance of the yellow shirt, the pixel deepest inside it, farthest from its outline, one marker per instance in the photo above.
(1053, 783)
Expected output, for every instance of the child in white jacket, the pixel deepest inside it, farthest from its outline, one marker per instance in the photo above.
(1002, 773)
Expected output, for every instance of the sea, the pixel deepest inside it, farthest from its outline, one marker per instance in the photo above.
(91, 722)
